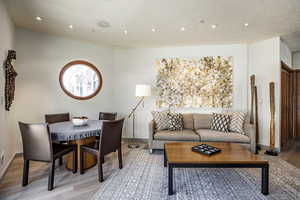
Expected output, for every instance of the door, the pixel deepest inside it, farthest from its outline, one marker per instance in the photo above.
(289, 109)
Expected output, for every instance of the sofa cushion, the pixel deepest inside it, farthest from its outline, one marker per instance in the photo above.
(220, 122)
(208, 135)
(183, 135)
(188, 121)
(237, 121)
(160, 119)
(175, 122)
(201, 121)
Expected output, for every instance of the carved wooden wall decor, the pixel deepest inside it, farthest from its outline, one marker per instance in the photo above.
(10, 76)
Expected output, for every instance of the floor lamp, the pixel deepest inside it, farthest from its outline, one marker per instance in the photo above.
(141, 91)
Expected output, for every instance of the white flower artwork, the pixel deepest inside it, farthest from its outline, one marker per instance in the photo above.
(202, 82)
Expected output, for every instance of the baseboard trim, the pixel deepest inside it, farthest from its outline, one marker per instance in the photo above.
(143, 140)
(7, 166)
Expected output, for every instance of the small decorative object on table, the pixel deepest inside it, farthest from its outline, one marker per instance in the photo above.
(205, 149)
(80, 121)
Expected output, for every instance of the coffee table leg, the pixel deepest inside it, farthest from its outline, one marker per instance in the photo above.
(170, 170)
(265, 180)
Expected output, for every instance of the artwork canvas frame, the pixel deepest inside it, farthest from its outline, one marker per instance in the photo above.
(195, 82)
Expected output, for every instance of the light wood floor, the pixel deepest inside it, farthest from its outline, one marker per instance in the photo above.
(68, 186)
(292, 155)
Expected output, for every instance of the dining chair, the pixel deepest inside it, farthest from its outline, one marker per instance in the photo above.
(107, 116)
(110, 141)
(37, 146)
(55, 118)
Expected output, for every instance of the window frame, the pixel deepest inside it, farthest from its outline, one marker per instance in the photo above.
(87, 64)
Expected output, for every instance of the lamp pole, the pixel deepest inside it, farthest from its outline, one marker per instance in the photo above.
(134, 146)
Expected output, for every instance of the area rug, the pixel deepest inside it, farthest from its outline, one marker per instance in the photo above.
(144, 177)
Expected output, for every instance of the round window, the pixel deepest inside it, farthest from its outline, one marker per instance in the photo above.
(80, 80)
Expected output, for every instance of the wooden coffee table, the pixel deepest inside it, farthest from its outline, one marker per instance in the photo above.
(180, 155)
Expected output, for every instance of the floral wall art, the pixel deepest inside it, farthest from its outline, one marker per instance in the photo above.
(195, 82)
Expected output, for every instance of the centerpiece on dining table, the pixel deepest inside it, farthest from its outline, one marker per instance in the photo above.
(80, 121)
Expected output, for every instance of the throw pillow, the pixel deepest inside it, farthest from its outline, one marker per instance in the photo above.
(161, 120)
(175, 122)
(237, 122)
(220, 122)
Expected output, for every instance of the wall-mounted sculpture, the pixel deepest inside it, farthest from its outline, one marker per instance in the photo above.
(272, 150)
(198, 82)
(10, 76)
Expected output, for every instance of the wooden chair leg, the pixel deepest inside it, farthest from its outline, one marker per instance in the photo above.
(120, 158)
(100, 170)
(60, 161)
(75, 161)
(51, 176)
(25, 173)
(81, 162)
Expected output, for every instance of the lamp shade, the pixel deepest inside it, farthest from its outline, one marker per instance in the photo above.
(142, 90)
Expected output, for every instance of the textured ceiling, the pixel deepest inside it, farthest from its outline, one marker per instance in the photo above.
(266, 18)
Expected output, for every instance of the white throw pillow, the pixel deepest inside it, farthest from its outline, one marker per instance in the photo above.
(237, 122)
(161, 120)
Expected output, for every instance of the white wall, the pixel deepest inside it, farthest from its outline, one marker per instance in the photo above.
(7, 138)
(264, 62)
(135, 66)
(296, 60)
(40, 59)
(285, 54)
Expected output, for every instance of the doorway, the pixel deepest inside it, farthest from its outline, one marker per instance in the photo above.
(290, 115)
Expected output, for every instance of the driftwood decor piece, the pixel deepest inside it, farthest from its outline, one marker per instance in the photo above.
(10, 76)
(252, 85)
(254, 109)
(272, 150)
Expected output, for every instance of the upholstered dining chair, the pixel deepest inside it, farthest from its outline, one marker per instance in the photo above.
(55, 118)
(107, 116)
(110, 141)
(37, 146)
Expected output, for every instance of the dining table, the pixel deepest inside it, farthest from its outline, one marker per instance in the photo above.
(78, 135)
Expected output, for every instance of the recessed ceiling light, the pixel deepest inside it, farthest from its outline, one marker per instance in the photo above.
(182, 29)
(153, 29)
(70, 26)
(125, 32)
(246, 24)
(202, 21)
(38, 18)
(103, 24)
(214, 26)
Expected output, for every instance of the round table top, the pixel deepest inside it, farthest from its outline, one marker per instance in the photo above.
(66, 131)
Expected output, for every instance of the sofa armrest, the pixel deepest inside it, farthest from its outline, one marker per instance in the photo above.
(250, 131)
(151, 130)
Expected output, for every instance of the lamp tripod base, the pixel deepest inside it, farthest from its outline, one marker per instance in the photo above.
(271, 152)
(133, 146)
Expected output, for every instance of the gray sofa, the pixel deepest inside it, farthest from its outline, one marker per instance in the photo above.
(196, 129)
